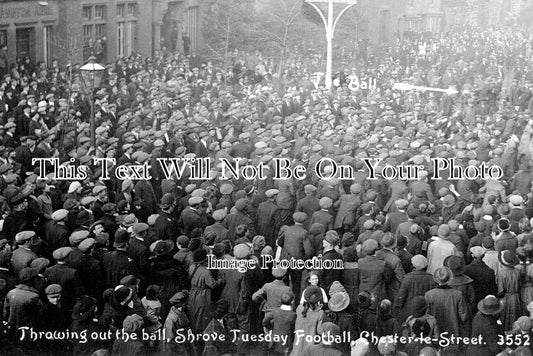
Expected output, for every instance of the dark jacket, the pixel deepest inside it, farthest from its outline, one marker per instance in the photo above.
(165, 227)
(414, 284)
(486, 326)
(327, 276)
(22, 306)
(116, 265)
(281, 322)
(140, 255)
(69, 280)
(484, 280)
(448, 306)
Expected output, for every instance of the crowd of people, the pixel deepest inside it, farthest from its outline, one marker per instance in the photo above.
(94, 265)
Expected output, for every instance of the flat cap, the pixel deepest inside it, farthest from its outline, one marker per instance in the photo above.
(139, 227)
(61, 253)
(24, 236)
(53, 290)
(240, 204)
(219, 215)
(98, 189)
(195, 200)
(271, 192)
(59, 215)
(299, 217)
(86, 244)
(78, 236)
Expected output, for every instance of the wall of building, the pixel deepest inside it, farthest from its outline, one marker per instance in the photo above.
(385, 19)
(25, 27)
(67, 29)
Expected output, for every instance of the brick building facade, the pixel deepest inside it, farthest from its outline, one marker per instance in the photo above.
(45, 30)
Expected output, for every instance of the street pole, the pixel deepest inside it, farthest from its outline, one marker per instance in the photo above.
(329, 24)
(93, 119)
(329, 39)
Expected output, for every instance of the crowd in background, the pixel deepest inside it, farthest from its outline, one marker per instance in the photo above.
(420, 256)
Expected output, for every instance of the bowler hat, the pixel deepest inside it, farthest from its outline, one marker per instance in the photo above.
(121, 238)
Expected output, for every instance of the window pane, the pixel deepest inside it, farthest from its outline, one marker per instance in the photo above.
(120, 10)
(99, 12)
(25, 42)
(120, 39)
(3, 37)
(100, 30)
(132, 9)
(86, 13)
(87, 32)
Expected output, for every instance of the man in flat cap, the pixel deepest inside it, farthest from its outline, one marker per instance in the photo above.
(101, 197)
(295, 243)
(166, 228)
(23, 304)
(17, 218)
(65, 276)
(23, 255)
(144, 191)
(267, 217)
(192, 220)
(396, 218)
(308, 204)
(138, 251)
(327, 276)
(239, 217)
(218, 227)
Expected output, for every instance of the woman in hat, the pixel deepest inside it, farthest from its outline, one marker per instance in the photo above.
(84, 319)
(309, 317)
(525, 254)
(177, 319)
(342, 314)
(386, 322)
(202, 284)
(508, 282)
(165, 271)
(485, 324)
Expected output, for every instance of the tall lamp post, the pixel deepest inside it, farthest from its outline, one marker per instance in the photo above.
(330, 24)
(92, 74)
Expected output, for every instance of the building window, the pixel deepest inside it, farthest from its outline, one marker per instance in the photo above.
(120, 39)
(25, 42)
(410, 3)
(87, 32)
(47, 40)
(3, 37)
(87, 12)
(99, 12)
(121, 10)
(132, 9)
(100, 30)
(131, 44)
(191, 26)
